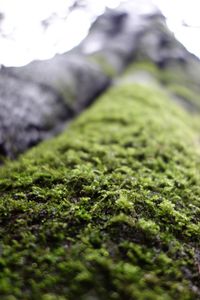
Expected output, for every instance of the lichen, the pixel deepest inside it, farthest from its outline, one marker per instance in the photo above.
(110, 209)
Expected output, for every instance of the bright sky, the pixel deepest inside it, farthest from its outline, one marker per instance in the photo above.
(179, 12)
(22, 38)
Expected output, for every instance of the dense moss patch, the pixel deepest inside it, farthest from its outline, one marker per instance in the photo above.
(108, 210)
(180, 81)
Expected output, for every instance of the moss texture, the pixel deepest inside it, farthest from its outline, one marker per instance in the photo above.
(104, 64)
(180, 81)
(108, 210)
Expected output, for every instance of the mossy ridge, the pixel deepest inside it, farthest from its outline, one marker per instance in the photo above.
(108, 210)
(181, 81)
(191, 98)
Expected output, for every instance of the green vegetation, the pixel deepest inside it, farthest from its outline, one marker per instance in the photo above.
(146, 66)
(103, 63)
(181, 81)
(110, 209)
(188, 95)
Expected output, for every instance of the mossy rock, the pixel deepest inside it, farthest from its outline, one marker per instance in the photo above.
(110, 209)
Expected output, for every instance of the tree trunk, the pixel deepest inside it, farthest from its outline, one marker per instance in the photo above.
(38, 99)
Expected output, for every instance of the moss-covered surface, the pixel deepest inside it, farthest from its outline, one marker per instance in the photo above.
(179, 80)
(191, 98)
(108, 210)
(103, 63)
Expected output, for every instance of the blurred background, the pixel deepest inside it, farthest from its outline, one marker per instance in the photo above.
(38, 29)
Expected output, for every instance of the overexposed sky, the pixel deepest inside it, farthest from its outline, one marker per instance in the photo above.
(181, 13)
(23, 38)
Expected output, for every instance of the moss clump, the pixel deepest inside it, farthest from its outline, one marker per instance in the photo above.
(181, 82)
(191, 98)
(147, 66)
(103, 63)
(108, 210)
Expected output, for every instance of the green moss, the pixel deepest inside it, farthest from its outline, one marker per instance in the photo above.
(189, 96)
(68, 92)
(103, 63)
(110, 209)
(143, 66)
(186, 75)
(179, 81)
